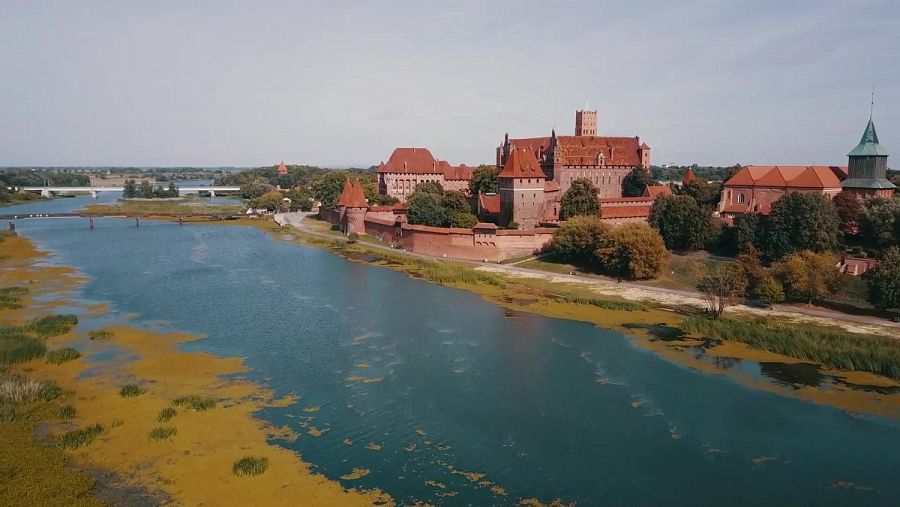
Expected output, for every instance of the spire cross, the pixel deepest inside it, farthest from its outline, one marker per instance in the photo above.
(872, 104)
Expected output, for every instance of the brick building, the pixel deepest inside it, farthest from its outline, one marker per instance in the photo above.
(407, 167)
(753, 189)
(603, 160)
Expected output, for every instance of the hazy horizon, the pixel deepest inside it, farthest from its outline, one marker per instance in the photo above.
(339, 84)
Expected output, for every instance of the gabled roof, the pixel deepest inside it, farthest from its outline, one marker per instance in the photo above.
(868, 146)
(345, 193)
(689, 176)
(456, 172)
(489, 203)
(357, 197)
(657, 190)
(521, 164)
(533, 144)
(410, 161)
(586, 150)
(625, 212)
(818, 176)
(551, 186)
(282, 169)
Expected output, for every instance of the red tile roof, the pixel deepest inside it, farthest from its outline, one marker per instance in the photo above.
(533, 144)
(820, 177)
(657, 190)
(410, 161)
(521, 164)
(614, 200)
(688, 176)
(282, 169)
(489, 203)
(551, 186)
(457, 172)
(357, 197)
(625, 212)
(345, 193)
(586, 150)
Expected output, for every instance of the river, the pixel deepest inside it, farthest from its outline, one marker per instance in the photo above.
(443, 381)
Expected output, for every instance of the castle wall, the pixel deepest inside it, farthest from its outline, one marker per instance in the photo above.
(608, 180)
(401, 185)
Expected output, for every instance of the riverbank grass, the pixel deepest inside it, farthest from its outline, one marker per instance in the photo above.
(161, 433)
(131, 391)
(166, 415)
(249, 466)
(195, 403)
(51, 325)
(827, 346)
(64, 355)
(81, 437)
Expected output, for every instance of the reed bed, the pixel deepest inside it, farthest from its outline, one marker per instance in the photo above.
(606, 304)
(60, 356)
(66, 412)
(195, 403)
(51, 325)
(81, 437)
(131, 391)
(20, 390)
(831, 347)
(166, 414)
(16, 347)
(161, 433)
(248, 466)
(11, 297)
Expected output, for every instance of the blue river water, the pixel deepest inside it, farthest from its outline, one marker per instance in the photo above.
(443, 381)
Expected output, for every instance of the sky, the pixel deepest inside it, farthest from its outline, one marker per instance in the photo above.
(333, 83)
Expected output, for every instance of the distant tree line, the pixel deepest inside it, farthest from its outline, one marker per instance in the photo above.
(37, 178)
(145, 190)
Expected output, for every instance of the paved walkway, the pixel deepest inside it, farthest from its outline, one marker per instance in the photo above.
(638, 292)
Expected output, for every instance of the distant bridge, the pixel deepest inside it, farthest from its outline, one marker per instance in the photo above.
(12, 217)
(95, 191)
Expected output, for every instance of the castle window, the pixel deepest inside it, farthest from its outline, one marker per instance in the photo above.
(741, 198)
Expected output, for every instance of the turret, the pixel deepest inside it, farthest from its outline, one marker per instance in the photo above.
(867, 165)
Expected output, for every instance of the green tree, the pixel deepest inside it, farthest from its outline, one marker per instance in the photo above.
(722, 286)
(682, 223)
(130, 190)
(746, 231)
(768, 291)
(146, 190)
(424, 208)
(808, 275)
(463, 219)
(328, 189)
(883, 281)
(301, 199)
(879, 222)
(484, 180)
(635, 182)
(848, 208)
(431, 187)
(579, 199)
(270, 200)
(455, 201)
(705, 193)
(578, 239)
(632, 250)
(800, 222)
(173, 189)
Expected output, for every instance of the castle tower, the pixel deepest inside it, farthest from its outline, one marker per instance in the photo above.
(356, 208)
(585, 123)
(282, 169)
(521, 189)
(868, 167)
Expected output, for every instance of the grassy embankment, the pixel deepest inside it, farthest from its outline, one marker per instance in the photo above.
(185, 205)
(145, 423)
(831, 347)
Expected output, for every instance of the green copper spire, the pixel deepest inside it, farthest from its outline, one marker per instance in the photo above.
(868, 146)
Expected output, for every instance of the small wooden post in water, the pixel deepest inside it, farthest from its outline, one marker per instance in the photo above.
(137, 221)
(91, 220)
(12, 226)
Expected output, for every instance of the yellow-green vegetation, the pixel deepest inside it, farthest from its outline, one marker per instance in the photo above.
(11, 297)
(248, 466)
(81, 437)
(827, 346)
(195, 403)
(184, 206)
(66, 412)
(64, 355)
(51, 325)
(161, 433)
(18, 347)
(99, 335)
(131, 391)
(166, 414)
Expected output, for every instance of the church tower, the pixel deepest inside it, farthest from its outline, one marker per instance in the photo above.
(585, 123)
(868, 167)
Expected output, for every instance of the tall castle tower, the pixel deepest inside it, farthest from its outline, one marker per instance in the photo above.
(585, 123)
(868, 167)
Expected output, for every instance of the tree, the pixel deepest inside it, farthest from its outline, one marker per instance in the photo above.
(883, 281)
(879, 222)
(301, 199)
(130, 190)
(255, 189)
(146, 190)
(579, 199)
(455, 202)
(848, 208)
(632, 250)
(800, 222)
(484, 180)
(705, 193)
(634, 183)
(463, 219)
(425, 208)
(768, 291)
(722, 286)
(270, 200)
(431, 187)
(682, 223)
(173, 189)
(808, 275)
(579, 238)
(746, 231)
(328, 189)
(353, 237)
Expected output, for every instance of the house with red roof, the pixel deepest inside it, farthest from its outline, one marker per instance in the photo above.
(407, 167)
(753, 189)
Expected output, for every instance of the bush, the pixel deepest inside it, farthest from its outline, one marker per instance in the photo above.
(166, 414)
(249, 466)
(66, 412)
(131, 390)
(353, 237)
(51, 325)
(61, 356)
(81, 437)
(196, 403)
(161, 433)
(464, 220)
(769, 291)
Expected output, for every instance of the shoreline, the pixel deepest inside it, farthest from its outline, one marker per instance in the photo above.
(154, 362)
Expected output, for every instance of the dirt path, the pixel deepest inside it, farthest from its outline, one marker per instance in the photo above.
(639, 292)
